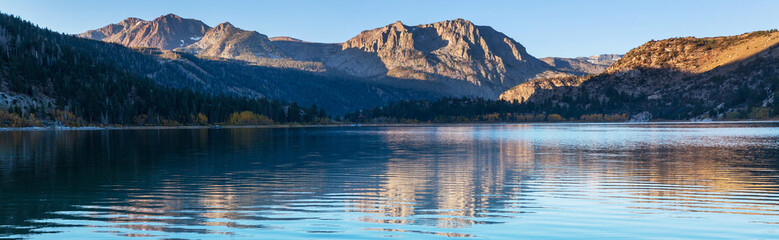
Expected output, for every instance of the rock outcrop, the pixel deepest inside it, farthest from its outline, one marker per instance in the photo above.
(604, 59)
(523, 91)
(583, 65)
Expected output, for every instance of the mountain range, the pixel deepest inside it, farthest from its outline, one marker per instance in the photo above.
(679, 78)
(449, 58)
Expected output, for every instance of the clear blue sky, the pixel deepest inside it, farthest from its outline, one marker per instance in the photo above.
(544, 27)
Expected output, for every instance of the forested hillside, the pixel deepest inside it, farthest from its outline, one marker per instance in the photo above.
(719, 78)
(48, 77)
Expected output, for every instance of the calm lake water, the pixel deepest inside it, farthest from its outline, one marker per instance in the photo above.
(704, 181)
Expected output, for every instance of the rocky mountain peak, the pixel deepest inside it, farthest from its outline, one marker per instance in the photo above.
(228, 30)
(131, 21)
(462, 26)
(225, 29)
(224, 26)
(457, 23)
(111, 29)
(230, 42)
(165, 32)
(453, 49)
(169, 16)
(393, 36)
(398, 26)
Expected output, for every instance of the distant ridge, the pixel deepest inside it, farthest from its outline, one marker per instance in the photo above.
(583, 65)
(285, 38)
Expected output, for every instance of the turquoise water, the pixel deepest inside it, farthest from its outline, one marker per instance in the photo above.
(638, 181)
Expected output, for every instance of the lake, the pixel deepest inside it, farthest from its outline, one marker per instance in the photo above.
(638, 181)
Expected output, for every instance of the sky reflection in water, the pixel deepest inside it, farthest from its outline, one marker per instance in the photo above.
(477, 181)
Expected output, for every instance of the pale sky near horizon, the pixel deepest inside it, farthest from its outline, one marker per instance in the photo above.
(563, 28)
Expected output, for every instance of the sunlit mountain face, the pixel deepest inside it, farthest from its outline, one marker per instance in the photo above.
(489, 181)
(449, 58)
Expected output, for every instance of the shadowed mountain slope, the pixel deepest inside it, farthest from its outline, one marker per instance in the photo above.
(674, 79)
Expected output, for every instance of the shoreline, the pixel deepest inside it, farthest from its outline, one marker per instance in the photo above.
(94, 128)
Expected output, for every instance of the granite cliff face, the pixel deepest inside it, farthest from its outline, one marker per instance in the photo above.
(165, 32)
(456, 49)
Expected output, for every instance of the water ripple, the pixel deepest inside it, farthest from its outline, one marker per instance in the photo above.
(696, 181)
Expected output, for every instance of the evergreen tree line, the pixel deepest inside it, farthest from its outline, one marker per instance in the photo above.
(748, 92)
(470, 110)
(614, 107)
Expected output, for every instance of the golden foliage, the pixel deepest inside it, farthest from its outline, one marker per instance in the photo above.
(67, 118)
(168, 122)
(199, 119)
(554, 117)
(248, 118)
(8, 119)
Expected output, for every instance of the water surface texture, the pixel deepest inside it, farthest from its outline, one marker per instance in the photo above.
(704, 181)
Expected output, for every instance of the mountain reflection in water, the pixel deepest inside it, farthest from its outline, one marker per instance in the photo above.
(482, 181)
